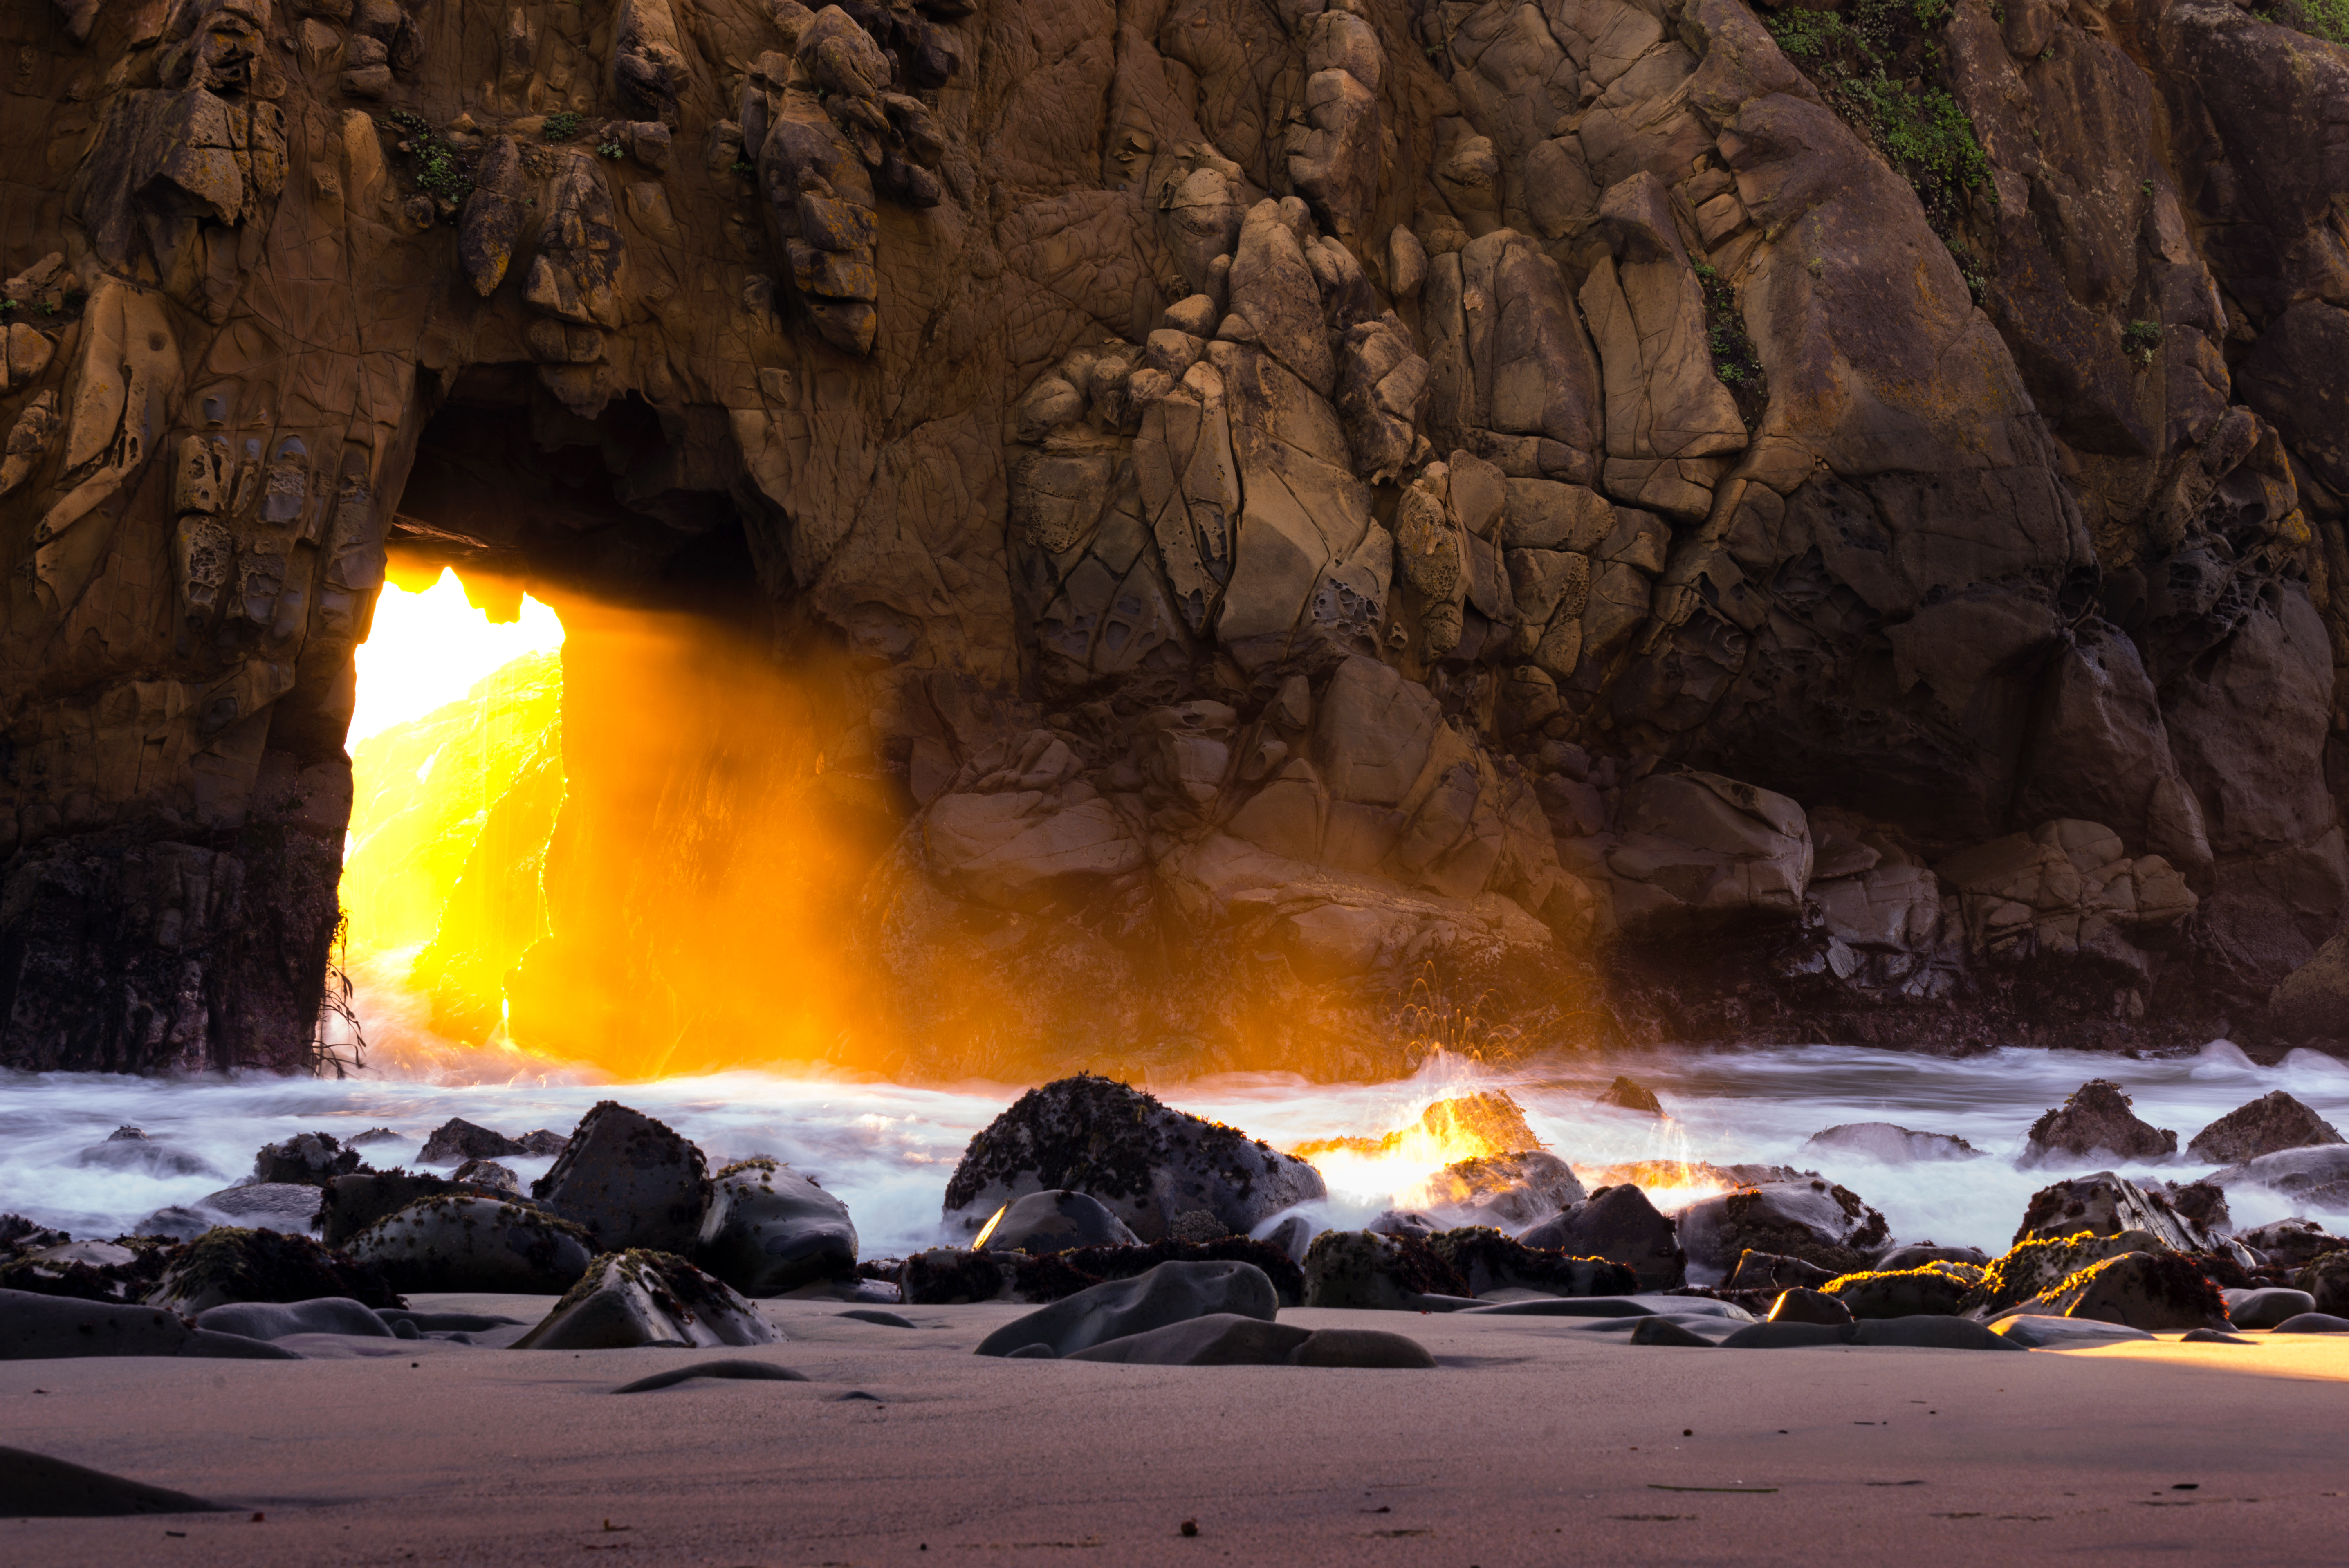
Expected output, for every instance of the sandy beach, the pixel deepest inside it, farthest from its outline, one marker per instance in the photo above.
(1533, 1442)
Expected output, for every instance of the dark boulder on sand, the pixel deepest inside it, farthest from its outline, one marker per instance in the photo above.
(2268, 1307)
(632, 1180)
(770, 1229)
(638, 1298)
(2042, 1263)
(1905, 1293)
(468, 1243)
(1774, 1271)
(2326, 1278)
(2095, 1118)
(47, 1327)
(1171, 1293)
(349, 1204)
(2152, 1291)
(2268, 1124)
(280, 1320)
(1228, 1339)
(1367, 1269)
(1146, 1163)
(1803, 1305)
(226, 1265)
(1054, 1222)
(1618, 1224)
(35, 1486)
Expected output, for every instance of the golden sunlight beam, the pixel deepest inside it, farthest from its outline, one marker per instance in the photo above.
(426, 650)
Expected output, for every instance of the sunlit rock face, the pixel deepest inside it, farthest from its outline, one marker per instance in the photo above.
(1169, 525)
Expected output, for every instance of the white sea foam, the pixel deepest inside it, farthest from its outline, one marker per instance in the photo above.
(888, 1148)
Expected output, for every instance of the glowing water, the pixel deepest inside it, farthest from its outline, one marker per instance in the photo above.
(887, 1149)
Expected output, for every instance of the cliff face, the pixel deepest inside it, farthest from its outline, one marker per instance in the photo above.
(1836, 515)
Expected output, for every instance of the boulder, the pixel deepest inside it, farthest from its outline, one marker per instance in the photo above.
(1804, 1306)
(2040, 1331)
(123, 1270)
(20, 1234)
(1904, 1333)
(490, 1174)
(1488, 1122)
(1774, 1271)
(1619, 1224)
(2314, 1323)
(1917, 1254)
(645, 1298)
(351, 1203)
(1487, 1260)
(2271, 1122)
(288, 1206)
(1630, 1094)
(1145, 1162)
(1367, 1269)
(952, 1276)
(278, 1320)
(1054, 1222)
(2315, 1177)
(630, 1180)
(2292, 1243)
(1815, 1221)
(2152, 1291)
(2042, 1263)
(43, 1328)
(227, 1264)
(2327, 1280)
(772, 1230)
(1512, 1190)
(2311, 1003)
(1229, 1339)
(309, 1158)
(1907, 1293)
(2106, 1204)
(475, 1244)
(1892, 1144)
(2202, 1203)
(2094, 1120)
(1405, 1222)
(457, 1140)
(1171, 1293)
(129, 1149)
(2268, 1307)
(1098, 1264)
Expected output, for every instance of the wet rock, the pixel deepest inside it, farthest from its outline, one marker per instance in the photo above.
(19, 1234)
(1629, 1094)
(2044, 1263)
(1367, 1269)
(1217, 1339)
(490, 1174)
(1405, 1222)
(1919, 1253)
(45, 1328)
(2153, 1291)
(2202, 1203)
(128, 1148)
(123, 1270)
(772, 1230)
(2327, 1280)
(457, 1140)
(1171, 1293)
(276, 1320)
(1804, 1306)
(1774, 1271)
(1619, 1224)
(1291, 1237)
(1095, 1263)
(351, 1203)
(1055, 1221)
(2292, 1243)
(2311, 1003)
(2315, 1177)
(951, 1276)
(2268, 1307)
(453, 1243)
(1510, 1189)
(35, 1486)
(1194, 1226)
(2272, 1122)
(310, 1158)
(1892, 1144)
(289, 1206)
(374, 1135)
(2314, 1323)
(630, 1180)
(1143, 1161)
(2096, 1120)
(639, 1297)
(2041, 1331)
(1905, 1293)
(2106, 1204)
(1488, 1261)
(227, 1264)
(1815, 1221)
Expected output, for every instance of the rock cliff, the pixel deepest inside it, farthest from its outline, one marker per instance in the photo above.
(1725, 520)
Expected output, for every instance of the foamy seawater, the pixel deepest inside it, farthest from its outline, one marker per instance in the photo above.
(887, 1149)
